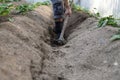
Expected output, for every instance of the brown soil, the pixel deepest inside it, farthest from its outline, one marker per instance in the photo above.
(26, 53)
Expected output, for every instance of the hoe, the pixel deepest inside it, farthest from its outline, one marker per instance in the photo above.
(61, 40)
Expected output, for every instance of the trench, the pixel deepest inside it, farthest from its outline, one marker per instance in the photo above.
(27, 52)
(76, 19)
(82, 57)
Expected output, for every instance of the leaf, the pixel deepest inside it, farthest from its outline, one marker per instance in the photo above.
(11, 19)
(103, 23)
(111, 21)
(4, 13)
(115, 37)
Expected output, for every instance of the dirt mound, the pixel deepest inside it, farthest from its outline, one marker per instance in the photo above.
(26, 53)
(89, 53)
(23, 44)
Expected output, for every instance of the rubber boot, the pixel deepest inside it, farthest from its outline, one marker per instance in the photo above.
(58, 29)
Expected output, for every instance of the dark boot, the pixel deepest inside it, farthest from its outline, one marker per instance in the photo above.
(58, 29)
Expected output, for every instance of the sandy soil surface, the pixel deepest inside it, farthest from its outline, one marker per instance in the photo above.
(26, 52)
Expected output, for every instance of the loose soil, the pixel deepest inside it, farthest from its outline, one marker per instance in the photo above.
(26, 52)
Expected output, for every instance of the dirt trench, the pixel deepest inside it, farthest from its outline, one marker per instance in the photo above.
(26, 52)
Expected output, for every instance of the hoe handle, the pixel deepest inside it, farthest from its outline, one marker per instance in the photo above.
(64, 25)
(63, 29)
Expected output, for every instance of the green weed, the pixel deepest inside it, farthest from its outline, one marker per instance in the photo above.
(76, 7)
(4, 1)
(110, 21)
(5, 9)
(47, 3)
(25, 8)
(116, 36)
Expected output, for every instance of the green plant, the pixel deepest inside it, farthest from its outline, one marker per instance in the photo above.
(116, 36)
(4, 1)
(5, 9)
(76, 7)
(47, 3)
(25, 8)
(110, 21)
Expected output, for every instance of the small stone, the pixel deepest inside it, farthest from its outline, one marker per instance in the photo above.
(115, 64)
(67, 46)
(105, 62)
